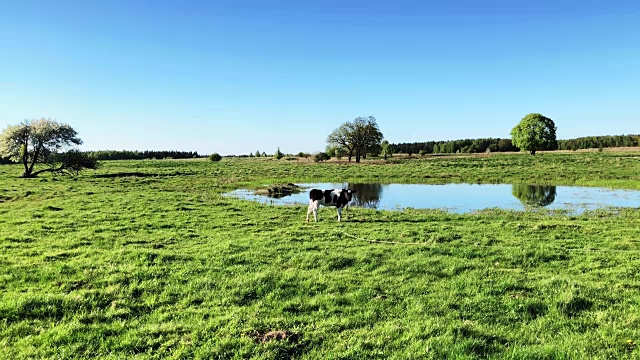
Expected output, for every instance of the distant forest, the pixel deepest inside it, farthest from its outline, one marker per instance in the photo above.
(429, 147)
(502, 145)
(132, 155)
(141, 155)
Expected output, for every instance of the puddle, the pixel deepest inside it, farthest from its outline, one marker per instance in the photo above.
(463, 198)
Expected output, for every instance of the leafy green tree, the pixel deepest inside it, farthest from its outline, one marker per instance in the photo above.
(45, 142)
(336, 151)
(357, 137)
(257, 153)
(534, 133)
(369, 136)
(386, 150)
(343, 137)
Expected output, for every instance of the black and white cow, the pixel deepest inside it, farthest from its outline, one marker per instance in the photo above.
(338, 198)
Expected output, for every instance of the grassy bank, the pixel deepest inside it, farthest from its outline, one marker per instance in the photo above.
(146, 258)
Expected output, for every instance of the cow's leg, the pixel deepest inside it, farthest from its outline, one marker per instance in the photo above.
(339, 213)
(316, 204)
(309, 209)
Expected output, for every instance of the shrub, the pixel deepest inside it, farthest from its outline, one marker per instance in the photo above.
(215, 157)
(321, 156)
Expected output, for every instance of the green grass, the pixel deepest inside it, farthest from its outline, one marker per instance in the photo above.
(147, 259)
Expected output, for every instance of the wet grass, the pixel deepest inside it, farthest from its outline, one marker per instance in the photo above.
(146, 259)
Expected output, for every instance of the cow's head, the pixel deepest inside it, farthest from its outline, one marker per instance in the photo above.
(348, 194)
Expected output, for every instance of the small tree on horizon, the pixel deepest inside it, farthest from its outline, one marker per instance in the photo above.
(279, 155)
(534, 133)
(386, 150)
(257, 153)
(215, 157)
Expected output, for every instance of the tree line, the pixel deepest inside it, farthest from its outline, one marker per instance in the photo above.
(454, 146)
(592, 142)
(141, 155)
(502, 145)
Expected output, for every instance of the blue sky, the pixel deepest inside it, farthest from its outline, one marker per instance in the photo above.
(236, 76)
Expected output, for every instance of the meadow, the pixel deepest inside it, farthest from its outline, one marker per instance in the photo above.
(147, 259)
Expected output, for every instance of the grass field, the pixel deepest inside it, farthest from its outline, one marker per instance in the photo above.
(147, 259)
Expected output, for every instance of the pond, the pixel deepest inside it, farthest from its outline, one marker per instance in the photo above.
(463, 198)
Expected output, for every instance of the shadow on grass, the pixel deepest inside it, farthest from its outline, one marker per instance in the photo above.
(124, 174)
(140, 174)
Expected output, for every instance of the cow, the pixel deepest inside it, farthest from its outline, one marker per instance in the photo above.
(338, 198)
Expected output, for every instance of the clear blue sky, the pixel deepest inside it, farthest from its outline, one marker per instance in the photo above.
(237, 76)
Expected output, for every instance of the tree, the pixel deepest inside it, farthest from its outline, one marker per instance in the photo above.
(357, 137)
(387, 150)
(42, 142)
(336, 151)
(534, 133)
(342, 137)
(278, 155)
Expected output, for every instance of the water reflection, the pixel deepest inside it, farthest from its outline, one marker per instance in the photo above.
(367, 195)
(462, 198)
(534, 195)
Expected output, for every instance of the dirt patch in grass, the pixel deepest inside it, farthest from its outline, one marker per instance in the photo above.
(275, 335)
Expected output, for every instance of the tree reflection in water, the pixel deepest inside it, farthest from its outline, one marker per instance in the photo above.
(534, 195)
(367, 195)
